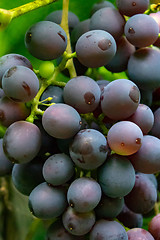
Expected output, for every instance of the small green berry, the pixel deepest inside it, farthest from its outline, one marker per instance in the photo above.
(46, 69)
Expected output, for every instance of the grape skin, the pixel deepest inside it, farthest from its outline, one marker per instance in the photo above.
(22, 141)
(84, 194)
(110, 20)
(109, 230)
(82, 93)
(145, 78)
(137, 31)
(125, 138)
(130, 8)
(5, 164)
(139, 233)
(20, 84)
(61, 121)
(120, 99)
(89, 149)
(116, 176)
(47, 202)
(95, 48)
(46, 40)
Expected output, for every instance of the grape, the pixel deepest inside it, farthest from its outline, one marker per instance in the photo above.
(10, 60)
(82, 93)
(130, 8)
(56, 16)
(56, 231)
(153, 226)
(143, 195)
(78, 223)
(147, 78)
(109, 207)
(147, 159)
(5, 165)
(110, 20)
(47, 202)
(137, 31)
(81, 28)
(22, 141)
(116, 176)
(84, 194)
(125, 138)
(156, 17)
(109, 230)
(155, 131)
(143, 117)
(120, 60)
(95, 48)
(55, 92)
(58, 169)
(130, 219)
(27, 176)
(139, 233)
(20, 84)
(61, 121)
(11, 111)
(46, 69)
(46, 40)
(89, 149)
(99, 5)
(120, 99)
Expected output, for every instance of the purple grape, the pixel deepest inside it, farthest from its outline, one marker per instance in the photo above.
(153, 226)
(82, 93)
(47, 202)
(61, 121)
(130, 219)
(116, 176)
(143, 195)
(155, 131)
(20, 84)
(95, 48)
(10, 60)
(58, 169)
(99, 5)
(147, 78)
(120, 99)
(84, 194)
(139, 233)
(81, 28)
(22, 141)
(109, 230)
(147, 159)
(109, 208)
(46, 40)
(137, 31)
(143, 117)
(89, 149)
(5, 164)
(76, 223)
(130, 8)
(119, 62)
(125, 138)
(110, 20)
(11, 111)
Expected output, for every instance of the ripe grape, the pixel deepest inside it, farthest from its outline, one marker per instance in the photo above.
(20, 84)
(139, 233)
(46, 40)
(95, 48)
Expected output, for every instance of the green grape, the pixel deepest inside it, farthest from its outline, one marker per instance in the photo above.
(46, 69)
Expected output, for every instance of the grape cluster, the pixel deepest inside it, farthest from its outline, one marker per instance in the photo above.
(86, 152)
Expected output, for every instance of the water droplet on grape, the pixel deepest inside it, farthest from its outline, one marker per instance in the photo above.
(131, 30)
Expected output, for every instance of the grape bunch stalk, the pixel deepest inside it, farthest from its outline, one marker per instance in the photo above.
(80, 129)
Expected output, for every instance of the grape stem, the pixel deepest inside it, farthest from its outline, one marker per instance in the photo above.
(6, 16)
